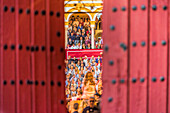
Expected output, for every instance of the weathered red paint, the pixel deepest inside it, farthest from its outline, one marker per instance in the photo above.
(33, 31)
(23, 61)
(8, 59)
(118, 70)
(41, 30)
(138, 65)
(158, 57)
(57, 26)
(38, 58)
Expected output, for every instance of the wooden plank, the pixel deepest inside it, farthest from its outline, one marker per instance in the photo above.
(8, 60)
(23, 63)
(57, 55)
(48, 57)
(114, 98)
(39, 56)
(138, 56)
(158, 57)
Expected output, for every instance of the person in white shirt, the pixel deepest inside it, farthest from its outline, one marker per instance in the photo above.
(72, 71)
(86, 22)
(69, 27)
(76, 22)
(79, 46)
(73, 47)
(97, 71)
(85, 60)
(92, 58)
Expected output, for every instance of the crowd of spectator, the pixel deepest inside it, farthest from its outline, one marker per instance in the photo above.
(79, 34)
(75, 71)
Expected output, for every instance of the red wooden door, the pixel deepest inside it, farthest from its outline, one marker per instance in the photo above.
(32, 56)
(136, 41)
(136, 56)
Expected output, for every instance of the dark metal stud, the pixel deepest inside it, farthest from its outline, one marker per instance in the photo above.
(31, 82)
(5, 82)
(112, 27)
(153, 79)
(114, 9)
(122, 80)
(36, 12)
(142, 79)
(154, 7)
(36, 82)
(51, 48)
(134, 80)
(51, 13)
(113, 81)
(111, 62)
(58, 14)
(106, 48)
(5, 8)
(28, 82)
(32, 48)
(61, 49)
(20, 11)
(162, 79)
(28, 11)
(12, 47)
(36, 48)
(59, 67)
(62, 102)
(134, 8)
(42, 83)
(59, 84)
(133, 43)
(164, 7)
(20, 82)
(122, 45)
(27, 48)
(20, 47)
(110, 99)
(12, 82)
(43, 48)
(143, 7)
(123, 8)
(143, 43)
(5, 47)
(153, 43)
(163, 42)
(52, 83)
(12, 9)
(43, 12)
(58, 34)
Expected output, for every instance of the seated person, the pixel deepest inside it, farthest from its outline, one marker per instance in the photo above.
(91, 108)
(76, 107)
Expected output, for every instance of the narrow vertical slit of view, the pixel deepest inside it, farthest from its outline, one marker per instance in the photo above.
(83, 45)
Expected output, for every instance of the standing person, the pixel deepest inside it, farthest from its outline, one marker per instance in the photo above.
(91, 108)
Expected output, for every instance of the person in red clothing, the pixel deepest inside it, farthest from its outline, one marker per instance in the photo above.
(88, 31)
